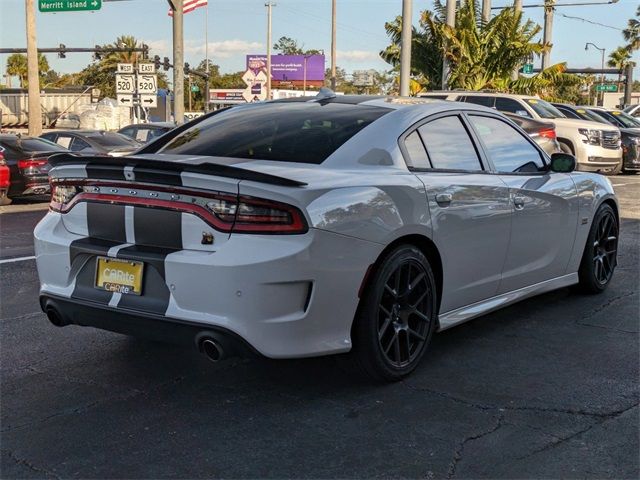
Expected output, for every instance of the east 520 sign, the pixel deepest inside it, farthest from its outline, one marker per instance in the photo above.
(68, 5)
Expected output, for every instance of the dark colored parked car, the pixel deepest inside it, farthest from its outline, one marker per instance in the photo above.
(145, 132)
(543, 133)
(93, 142)
(27, 159)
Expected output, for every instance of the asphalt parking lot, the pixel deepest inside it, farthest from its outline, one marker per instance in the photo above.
(546, 388)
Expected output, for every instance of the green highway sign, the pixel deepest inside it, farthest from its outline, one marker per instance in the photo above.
(68, 5)
(527, 68)
(607, 88)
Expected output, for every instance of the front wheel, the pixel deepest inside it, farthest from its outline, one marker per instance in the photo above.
(599, 259)
(397, 315)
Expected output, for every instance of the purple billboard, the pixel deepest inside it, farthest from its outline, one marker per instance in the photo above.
(290, 68)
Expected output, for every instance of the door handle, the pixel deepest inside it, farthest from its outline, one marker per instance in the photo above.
(444, 199)
(518, 202)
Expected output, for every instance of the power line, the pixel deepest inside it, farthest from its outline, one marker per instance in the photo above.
(588, 21)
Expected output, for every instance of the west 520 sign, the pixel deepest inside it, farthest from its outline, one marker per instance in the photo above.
(68, 5)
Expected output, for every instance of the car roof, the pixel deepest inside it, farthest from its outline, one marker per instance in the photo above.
(150, 125)
(478, 93)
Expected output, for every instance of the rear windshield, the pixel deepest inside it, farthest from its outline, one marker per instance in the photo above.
(113, 140)
(29, 145)
(544, 109)
(306, 132)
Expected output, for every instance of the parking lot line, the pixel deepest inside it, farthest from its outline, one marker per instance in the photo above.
(17, 259)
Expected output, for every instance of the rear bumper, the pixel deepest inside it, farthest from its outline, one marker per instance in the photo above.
(62, 311)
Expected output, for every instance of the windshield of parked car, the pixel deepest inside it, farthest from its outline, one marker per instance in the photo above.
(625, 119)
(306, 132)
(114, 140)
(29, 145)
(591, 116)
(544, 109)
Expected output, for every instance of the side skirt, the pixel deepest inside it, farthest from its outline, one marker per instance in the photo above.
(464, 314)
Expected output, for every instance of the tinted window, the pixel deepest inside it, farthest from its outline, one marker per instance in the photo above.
(511, 106)
(128, 132)
(478, 100)
(305, 132)
(509, 151)
(32, 145)
(417, 154)
(568, 112)
(544, 109)
(625, 119)
(113, 140)
(448, 144)
(78, 145)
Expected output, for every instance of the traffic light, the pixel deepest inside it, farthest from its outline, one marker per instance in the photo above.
(187, 68)
(166, 65)
(62, 51)
(156, 62)
(145, 51)
(97, 54)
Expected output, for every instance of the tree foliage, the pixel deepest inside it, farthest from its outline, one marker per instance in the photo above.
(17, 66)
(289, 46)
(632, 32)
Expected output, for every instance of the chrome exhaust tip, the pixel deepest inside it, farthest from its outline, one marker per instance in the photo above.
(212, 349)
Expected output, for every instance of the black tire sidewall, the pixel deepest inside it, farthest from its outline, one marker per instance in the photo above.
(366, 345)
(586, 272)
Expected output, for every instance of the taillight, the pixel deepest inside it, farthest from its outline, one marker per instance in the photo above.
(548, 133)
(31, 163)
(61, 195)
(255, 215)
(4, 176)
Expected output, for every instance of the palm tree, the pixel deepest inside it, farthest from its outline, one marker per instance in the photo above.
(17, 66)
(632, 32)
(111, 60)
(481, 55)
(619, 58)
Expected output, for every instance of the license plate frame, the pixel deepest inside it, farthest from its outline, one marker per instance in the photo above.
(128, 277)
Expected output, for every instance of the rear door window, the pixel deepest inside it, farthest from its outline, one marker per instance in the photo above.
(479, 100)
(509, 151)
(306, 132)
(448, 144)
(417, 155)
(511, 106)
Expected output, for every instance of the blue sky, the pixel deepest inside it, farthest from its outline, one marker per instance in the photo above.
(238, 27)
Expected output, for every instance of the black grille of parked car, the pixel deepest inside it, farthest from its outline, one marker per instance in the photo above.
(610, 139)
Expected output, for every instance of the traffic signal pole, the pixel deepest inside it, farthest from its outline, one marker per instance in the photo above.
(35, 111)
(405, 48)
(178, 63)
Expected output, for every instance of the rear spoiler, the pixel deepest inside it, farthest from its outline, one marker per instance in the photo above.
(116, 165)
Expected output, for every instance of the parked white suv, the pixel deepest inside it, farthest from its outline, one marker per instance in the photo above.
(597, 147)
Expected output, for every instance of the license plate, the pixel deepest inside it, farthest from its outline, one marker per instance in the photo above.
(120, 276)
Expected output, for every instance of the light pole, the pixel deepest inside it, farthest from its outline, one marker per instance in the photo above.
(269, 6)
(586, 47)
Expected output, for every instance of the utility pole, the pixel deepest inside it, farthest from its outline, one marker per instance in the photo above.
(405, 48)
(35, 112)
(178, 63)
(269, 6)
(333, 45)
(451, 21)
(486, 10)
(548, 27)
(517, 6)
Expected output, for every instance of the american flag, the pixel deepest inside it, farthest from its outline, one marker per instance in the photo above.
(190, 6)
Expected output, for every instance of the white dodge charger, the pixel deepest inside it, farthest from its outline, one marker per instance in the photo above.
(319, 226)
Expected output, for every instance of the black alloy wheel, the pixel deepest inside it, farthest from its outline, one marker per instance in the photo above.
(600, 256)
(397, 315)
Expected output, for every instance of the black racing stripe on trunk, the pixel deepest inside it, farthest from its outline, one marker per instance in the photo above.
(155, 293)
(106, 221)
(85, 281)
(105, 172)
(89, 246)
(157, 227)
(163, 177)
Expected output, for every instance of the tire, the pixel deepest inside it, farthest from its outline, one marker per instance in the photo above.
(395, 323)
(4, 200)
(599, 259)
(565, 147)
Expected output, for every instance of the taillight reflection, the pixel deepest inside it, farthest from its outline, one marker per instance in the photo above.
(548, 133)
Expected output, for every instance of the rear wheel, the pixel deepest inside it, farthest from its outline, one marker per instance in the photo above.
(599, 259)
(397, 315)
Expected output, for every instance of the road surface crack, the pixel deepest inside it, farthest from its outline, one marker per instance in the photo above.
(29, 465)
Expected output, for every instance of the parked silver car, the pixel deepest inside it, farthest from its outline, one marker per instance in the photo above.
(301, 228)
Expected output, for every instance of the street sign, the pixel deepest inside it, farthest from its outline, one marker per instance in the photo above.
(607, 88)
(527, 68)
(124, 100)
(146, 68)
(68, 5)
(149, 100)
(147, 84)
(125, 83)
(125, 68)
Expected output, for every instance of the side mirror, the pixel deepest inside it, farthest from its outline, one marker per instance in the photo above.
(562, 162)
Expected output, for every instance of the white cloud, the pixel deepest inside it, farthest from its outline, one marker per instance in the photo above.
(356, 55)
(224, 49)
